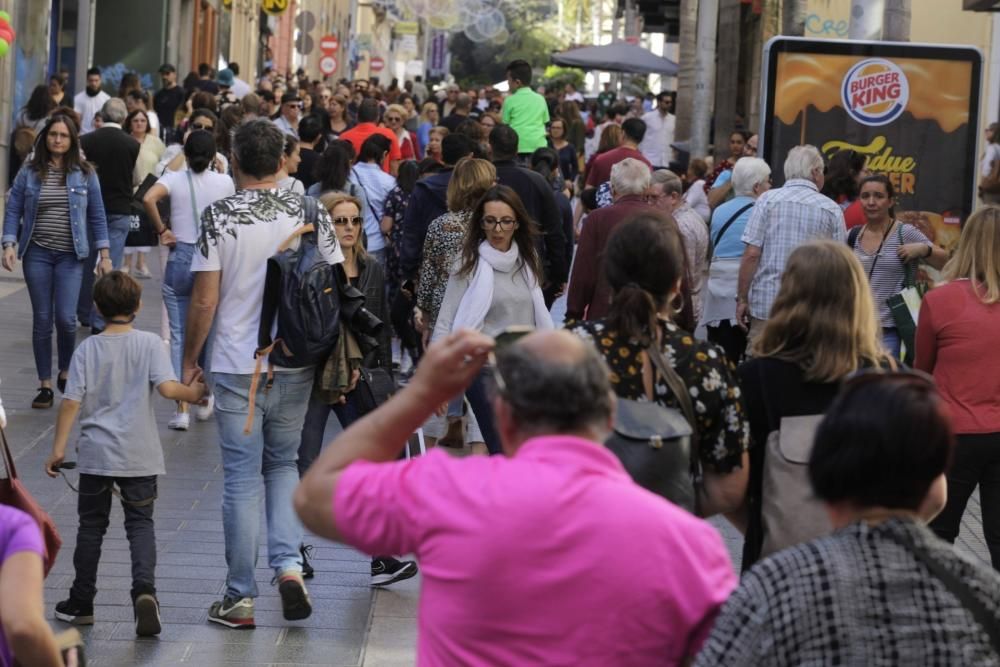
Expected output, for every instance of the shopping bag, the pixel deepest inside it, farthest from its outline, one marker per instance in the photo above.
(14, 494)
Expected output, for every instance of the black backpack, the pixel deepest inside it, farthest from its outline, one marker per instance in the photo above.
(301, 291)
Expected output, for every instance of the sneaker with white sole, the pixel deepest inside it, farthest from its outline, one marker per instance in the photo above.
(387, 570)
(295, 603)
(204, 412)
(232, 613)
(146, 610)
(181, 421)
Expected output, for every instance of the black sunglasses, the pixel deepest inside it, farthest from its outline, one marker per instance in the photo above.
(199, 126)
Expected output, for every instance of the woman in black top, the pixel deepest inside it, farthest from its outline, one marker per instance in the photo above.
(644, 261)
(822, 329)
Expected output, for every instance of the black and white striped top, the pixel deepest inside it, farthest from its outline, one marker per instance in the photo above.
(885, 270)
(52, 224)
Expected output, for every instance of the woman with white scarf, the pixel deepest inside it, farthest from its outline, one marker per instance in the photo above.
(496, 285)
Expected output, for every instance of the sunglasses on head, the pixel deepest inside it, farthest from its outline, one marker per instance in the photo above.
(341, 221)
(502, 341)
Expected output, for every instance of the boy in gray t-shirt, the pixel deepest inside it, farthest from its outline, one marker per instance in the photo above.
(111, 381)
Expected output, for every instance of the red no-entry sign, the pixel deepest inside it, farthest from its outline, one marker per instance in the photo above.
(377, 64)
(327, 65)
(329, 44)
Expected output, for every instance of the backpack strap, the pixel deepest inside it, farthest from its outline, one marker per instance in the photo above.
(852, 237)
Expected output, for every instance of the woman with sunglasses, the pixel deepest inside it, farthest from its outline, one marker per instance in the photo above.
(173, 157)
(337, 378)
(823, 327)
(429, 119)
(644, 263)
(956, 338)
(395, 117)
(190, 192)
(496, 284)
(881, 589)
(54, 212)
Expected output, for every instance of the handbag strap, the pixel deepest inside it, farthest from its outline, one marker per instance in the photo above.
(675, 383)
(729, 223)
(8, 458)
(956, 586)
(909, 268)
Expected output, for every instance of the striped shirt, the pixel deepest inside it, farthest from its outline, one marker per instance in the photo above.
(885, 271)
(782, 220)
(52, 224)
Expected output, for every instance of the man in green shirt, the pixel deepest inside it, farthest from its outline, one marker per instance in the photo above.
(525, 111)
(605, 100)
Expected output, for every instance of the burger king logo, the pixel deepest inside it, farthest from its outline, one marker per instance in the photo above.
(875, 92)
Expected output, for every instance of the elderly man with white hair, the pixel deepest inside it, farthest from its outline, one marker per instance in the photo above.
(750, 179)
(782, 220)
(588, 296)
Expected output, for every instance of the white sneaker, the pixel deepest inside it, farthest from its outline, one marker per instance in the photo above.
(180, 421)
(204, 412)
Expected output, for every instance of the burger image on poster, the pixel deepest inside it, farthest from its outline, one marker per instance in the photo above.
(875, 92)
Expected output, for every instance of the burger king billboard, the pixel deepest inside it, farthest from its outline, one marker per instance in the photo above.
(911, 109)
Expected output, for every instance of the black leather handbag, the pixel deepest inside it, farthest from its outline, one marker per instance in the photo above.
(375, 387)
(658, 445)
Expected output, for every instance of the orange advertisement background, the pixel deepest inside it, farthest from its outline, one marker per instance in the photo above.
(939, 90)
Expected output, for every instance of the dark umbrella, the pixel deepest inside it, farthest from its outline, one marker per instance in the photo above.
(617, 57)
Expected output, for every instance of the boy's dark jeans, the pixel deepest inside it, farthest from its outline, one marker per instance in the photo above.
(94, 509)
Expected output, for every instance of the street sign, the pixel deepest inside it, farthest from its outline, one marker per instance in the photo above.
(377, 64)
(329, 44)
(274, 7)
(327, 65)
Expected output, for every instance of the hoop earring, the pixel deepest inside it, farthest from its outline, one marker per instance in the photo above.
(677, 305)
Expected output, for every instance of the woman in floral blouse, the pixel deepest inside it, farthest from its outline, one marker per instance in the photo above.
(644, 260)
(443, 243)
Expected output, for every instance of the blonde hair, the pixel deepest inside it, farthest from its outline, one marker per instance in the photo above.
(397, 108)
(331, 200)
(423, 111)
(469, 182)
(823, 319)
(439, 130)
(976, 256)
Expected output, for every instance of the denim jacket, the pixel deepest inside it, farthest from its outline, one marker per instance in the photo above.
(86, 211)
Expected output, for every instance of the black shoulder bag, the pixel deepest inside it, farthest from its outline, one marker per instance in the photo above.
(658, 446)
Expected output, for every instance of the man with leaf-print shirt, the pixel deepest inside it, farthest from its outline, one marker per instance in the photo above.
(239, 234)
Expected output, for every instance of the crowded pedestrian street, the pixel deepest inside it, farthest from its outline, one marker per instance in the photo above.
(499, 333)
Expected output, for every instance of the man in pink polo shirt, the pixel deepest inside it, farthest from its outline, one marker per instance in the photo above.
(549, 555)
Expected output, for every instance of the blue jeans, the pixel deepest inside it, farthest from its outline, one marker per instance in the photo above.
(178, 282)
(118, 226)
(478, 395)
(315, 425)
(891, 341)
(53, 280)
(269, 451)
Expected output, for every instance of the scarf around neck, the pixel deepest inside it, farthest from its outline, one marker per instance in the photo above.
(478, 298)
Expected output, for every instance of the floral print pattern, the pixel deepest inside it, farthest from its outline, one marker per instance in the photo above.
(722, 422)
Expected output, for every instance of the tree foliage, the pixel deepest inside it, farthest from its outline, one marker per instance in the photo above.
(531, 39)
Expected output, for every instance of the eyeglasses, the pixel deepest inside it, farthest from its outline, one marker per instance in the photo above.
(506, 224)
(294, 105)
(201, 126)
(393, 119)
(343, 220)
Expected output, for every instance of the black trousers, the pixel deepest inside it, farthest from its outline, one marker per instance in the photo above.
(976, 463)
(94, 510)
(731, 338)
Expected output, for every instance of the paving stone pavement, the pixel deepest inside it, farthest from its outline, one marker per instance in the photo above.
(351, 625)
